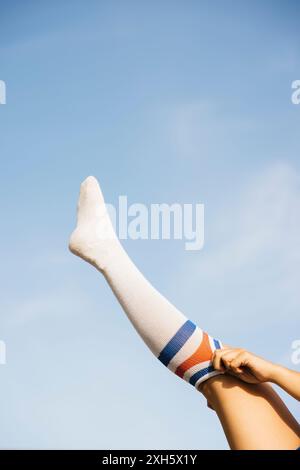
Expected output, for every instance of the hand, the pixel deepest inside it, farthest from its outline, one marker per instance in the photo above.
(243, 365)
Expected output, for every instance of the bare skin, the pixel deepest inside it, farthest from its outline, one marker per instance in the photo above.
(252, 414)
(254, 369)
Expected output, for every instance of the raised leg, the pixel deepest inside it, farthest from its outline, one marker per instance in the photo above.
(253, 416)
(176, 341)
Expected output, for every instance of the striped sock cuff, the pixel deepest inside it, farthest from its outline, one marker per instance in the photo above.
(189, 354)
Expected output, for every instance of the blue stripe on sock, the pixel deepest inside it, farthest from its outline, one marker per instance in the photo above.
(198, 375)
(217, 344)
(176, 343)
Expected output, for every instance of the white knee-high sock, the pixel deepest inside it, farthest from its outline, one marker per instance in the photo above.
(174, 340)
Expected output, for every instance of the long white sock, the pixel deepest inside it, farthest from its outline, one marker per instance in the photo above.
(179, 344)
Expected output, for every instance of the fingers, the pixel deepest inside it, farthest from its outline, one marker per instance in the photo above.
(239, 361)
(228, 359)
(221, 358)
(216, 360)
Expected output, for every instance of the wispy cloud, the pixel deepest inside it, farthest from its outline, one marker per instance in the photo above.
(201, 127)
(249, 278)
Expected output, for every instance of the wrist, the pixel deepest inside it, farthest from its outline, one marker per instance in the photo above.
(275, 373)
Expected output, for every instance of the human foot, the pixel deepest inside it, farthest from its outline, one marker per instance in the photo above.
(94, 238)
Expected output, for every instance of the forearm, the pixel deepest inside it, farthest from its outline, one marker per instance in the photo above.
(288, 380)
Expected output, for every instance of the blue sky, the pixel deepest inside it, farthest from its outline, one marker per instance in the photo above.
(163, 102)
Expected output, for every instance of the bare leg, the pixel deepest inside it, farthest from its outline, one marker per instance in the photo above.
(253, 417)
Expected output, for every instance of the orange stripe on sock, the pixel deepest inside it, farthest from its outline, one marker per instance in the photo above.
(202, 354)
